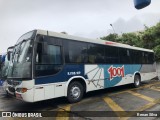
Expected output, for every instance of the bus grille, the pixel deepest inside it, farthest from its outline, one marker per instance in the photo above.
(12, 82)
(11, 89)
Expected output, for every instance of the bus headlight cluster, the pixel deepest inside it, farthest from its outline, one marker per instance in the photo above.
(22, 90)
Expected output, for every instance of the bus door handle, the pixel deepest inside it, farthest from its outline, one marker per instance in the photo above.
(39, 87)
(59, 85)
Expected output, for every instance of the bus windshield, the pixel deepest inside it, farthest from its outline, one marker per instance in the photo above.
(0, 64)
(20, 65)
(4, 67)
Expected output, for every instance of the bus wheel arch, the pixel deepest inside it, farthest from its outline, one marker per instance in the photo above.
(137, 79)
(77, 86)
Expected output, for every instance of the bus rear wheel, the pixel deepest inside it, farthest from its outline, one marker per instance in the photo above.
(75, 92)
(137, 81)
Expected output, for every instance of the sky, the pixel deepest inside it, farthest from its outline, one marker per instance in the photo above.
(84, 18)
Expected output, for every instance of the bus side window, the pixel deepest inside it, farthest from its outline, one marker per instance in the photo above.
(151, 58)
(96, 53)
(112, 56)
(124, 56)
(48, 59)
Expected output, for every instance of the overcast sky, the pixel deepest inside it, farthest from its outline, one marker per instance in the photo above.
(85, 18)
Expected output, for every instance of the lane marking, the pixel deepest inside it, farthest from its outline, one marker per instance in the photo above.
(66, 110)
(143, 108)
(156, 89)
(141, 96)
(145, 86)
(147, 106)
(115, 107)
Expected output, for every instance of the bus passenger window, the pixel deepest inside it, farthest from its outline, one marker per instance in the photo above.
(112, 56)
(124, 56)
(75, 52)
(48, 60)
(96, 54)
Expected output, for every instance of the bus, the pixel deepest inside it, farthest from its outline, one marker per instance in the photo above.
(5, 64)
(48, 65)
(2, 60)
(4, 67)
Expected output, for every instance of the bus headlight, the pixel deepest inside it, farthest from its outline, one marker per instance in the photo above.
(22, 90)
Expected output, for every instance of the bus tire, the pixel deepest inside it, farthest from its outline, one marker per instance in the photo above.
(137, 81)
(75, 92)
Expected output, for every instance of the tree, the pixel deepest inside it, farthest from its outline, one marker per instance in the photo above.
(149, 38)
(110, 37)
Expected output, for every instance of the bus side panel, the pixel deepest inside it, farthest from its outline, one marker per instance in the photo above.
(53, 86)
(111, 75)
(39, 93)
(48, 91)
(119, 74)
(148, 71)
(95, 76)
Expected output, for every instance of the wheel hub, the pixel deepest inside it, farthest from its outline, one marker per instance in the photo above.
(75, 92)
(137, 81)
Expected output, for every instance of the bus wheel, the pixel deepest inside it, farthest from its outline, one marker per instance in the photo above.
(75, 92)
(137, 81)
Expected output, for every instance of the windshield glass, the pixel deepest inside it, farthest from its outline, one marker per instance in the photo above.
(20, 65)
(5, 64)
(4, 67)
(25, 36)
(2, 62)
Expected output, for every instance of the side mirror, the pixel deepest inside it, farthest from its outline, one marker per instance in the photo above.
(9, 55)
(139, 4)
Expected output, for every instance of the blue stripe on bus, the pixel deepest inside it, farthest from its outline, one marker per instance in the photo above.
(67, 72)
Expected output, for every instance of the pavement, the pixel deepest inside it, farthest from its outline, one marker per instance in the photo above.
(117, 103)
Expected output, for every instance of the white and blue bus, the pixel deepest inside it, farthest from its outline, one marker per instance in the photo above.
(5, 63)
(4, 67)
(48, 65)
(2, 61)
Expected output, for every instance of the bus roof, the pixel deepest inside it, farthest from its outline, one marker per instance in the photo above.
(98, 41)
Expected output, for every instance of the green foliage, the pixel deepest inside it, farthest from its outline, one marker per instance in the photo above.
(110, 37)
(157, 52)
(149, 38)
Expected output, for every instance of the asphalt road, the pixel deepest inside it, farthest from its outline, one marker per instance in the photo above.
(113, 104)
